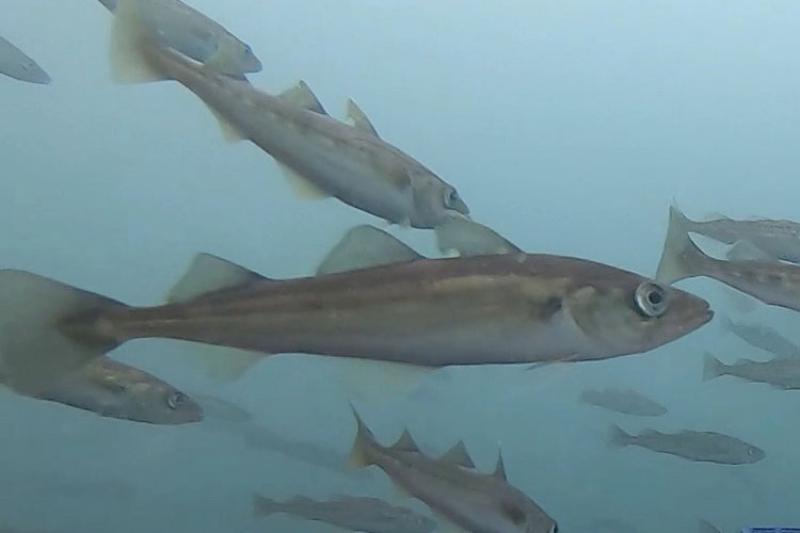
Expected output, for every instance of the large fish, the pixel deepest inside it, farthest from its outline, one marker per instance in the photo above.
(780, 372)
(501, 309)
(704, 446)
(772, 282)
(452, 487)
(323, 156)
(186, 30)
(15, 64)
(763, 337)
(116, 390)
(779, 239)
(369, 515)
(628, 401)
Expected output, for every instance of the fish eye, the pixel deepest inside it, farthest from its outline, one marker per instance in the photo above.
(451, 198)
(175, 400)
(751, 452)
(651, 299)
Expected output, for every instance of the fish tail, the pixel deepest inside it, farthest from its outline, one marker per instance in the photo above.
(132, 43)
(681, 257)
(618, 437)
(712, 367)
(48, 329)
(359, 455)
(264, 506)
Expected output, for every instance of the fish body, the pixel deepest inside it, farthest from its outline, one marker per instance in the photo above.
(15, 64)
(115, 390)
(764, 338)
(193, 34)
(780, 372)
(777, 238)
(369, 515)
(703, 446)
(772, 282)
(476, 502)
(626, 401)
(326, 156)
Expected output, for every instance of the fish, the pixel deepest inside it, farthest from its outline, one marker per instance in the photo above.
(115, 390)
(763, 337)
(369, 515)
(779, 239)
(501, 309)
(321, 156)
(703, 526)
(15, 64)
(701, 446)
(627, 401)
(773, 283)
(452, 487)
(780, 372)
(184, 29)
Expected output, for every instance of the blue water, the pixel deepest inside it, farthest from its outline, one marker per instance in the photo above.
(568, 126)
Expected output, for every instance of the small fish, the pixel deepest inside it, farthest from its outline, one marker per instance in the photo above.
(186, 30)
(779, 239)
(369, 515)
(116, 390)
(774, 283)
(781, 372)
(627, 401)
(702, 446)
(15, 64)
(763, 337)
(452, 487)
(704, 526)
(321, 156)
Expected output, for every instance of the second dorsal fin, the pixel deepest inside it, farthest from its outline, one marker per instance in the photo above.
(458, 455)
(405, 443)
(359, 119)
(209, 273)
(366, 247)
(301, 95)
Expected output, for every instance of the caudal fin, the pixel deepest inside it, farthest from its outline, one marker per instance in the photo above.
(618, 437)
(681, 257)
(41, 338)
(712, 367)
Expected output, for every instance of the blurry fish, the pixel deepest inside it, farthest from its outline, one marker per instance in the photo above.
(321, 156)
(763, 337)
(15, 64)
(781, 372)
(116, 390)
(627, 401)
(706, 527)
(186, 30)
(773, 283)
(451, 486)
(704, 446)
(214, 407)
(779, 239)
(467, 238)
(502, 309)
(369, 515)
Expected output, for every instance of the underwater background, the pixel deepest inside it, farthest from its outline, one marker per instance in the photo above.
(570, 127)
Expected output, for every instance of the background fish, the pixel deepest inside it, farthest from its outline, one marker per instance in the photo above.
(369, 515)
(706, 446)
(15, 64)
(781, 372)
(763, 337)
(626, 401)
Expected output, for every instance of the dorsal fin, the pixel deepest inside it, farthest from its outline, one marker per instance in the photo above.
(405, 443)
(500, 469)
(365, 247)
(209, 273)
(359, 119)
(301, 95)
(458, 455)
(469, 238)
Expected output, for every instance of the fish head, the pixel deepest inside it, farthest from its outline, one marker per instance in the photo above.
(247, 60)
(434, 200)
(626, 314)
(154, 403)
(28, 70)
(753, 454)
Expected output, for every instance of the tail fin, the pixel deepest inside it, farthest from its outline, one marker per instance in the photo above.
(130, 40)
(618, 437)
(35, 350)
(359, 456)
(264, 506)
(712, 367)
(681, 257)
